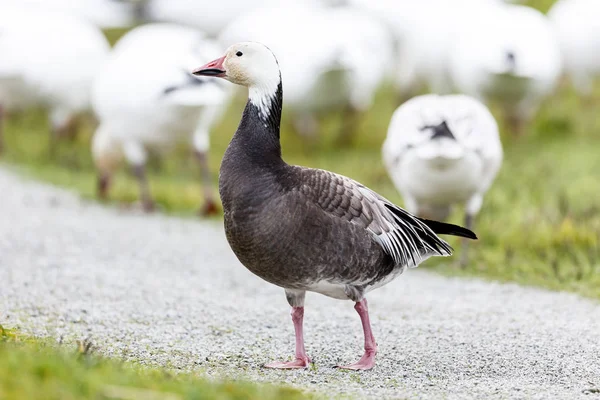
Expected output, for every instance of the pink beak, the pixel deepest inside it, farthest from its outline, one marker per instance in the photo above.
(214, 68)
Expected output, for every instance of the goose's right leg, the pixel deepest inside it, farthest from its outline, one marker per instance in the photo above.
(367, 361)
(210, 206)
(351, 117)
(201, 141)
(103, 185)
(136, 155)
(140, 173)
(296, 300)
(471, 209)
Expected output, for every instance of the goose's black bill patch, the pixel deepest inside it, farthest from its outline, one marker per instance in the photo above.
(209, 72)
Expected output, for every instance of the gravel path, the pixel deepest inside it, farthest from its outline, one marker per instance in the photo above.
(167, 291)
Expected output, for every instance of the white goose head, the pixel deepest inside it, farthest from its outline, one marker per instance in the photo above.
(249, 64)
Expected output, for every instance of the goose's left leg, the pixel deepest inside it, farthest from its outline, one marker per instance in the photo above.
(136, 155)
(296, 300)
(472, 208)
(64, 124)
(520, 115)
(201, 141)
(350, 119)
(464, 258)
(367, 361)
(210, 206)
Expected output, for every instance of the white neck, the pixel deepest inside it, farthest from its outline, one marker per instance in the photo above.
(263, 94)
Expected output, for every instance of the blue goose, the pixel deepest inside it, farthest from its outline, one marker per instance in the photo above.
(306, 229)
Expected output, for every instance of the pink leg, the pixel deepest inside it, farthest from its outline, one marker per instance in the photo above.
(302, 359)
(367, 361)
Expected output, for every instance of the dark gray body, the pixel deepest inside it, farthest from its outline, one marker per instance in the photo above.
(282, 233)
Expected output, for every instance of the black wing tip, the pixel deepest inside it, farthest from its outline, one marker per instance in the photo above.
(444, 228)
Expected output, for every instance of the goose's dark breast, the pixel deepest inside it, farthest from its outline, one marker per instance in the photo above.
(289, 240)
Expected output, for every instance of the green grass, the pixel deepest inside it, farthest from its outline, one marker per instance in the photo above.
(37, 369)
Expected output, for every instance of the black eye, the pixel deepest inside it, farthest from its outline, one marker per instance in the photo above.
(239, 54)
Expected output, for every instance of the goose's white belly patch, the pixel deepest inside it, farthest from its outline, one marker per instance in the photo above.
(335, 290)
(338, 290)
(396, 273)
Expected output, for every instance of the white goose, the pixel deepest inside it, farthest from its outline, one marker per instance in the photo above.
(210, 17)
(577, 27)
(511, 57)
(102, 13)
(145, 98)
(365, 37)
(48, 59)
(424, 31)
(441, 151)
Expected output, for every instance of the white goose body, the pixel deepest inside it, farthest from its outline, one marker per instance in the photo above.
(424, 32)
(363, 39)
(577, 27)
(441, 151)
(29, 39)
(145, 97)
(145, 94)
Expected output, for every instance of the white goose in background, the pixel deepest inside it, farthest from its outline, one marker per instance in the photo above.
(336, 71)
(512, 58)
(577, 27)
(145, 98)
(424, 31)
(48, 59)
(366, 38)
(441, 151)
(102, 13)
(209, 16)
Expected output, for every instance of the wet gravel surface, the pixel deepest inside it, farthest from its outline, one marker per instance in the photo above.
(167, 291)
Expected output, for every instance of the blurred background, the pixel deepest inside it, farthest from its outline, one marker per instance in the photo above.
(96, 96)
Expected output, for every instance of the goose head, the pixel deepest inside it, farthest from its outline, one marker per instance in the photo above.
(249, 64)
(253, 65)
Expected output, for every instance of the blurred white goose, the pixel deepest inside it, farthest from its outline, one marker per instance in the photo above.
(48, 59)
(512, 57)
(209, 16)
(577, 26)
(145, 98)
(424, 31)
(441, 151)
(103, 13)
(365, 37)
(336, 71)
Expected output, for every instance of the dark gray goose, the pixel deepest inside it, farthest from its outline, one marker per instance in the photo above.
(307, 229)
